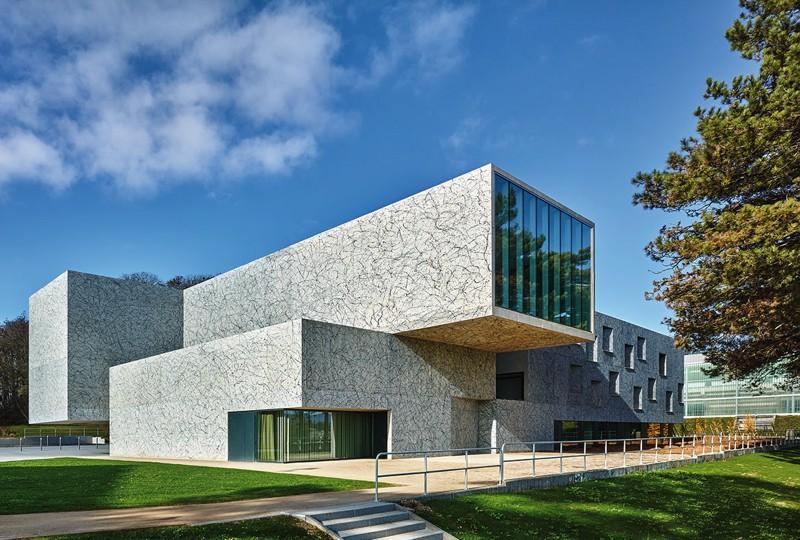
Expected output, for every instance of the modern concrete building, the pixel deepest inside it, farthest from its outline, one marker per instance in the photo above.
(708, 396)
(405, 329)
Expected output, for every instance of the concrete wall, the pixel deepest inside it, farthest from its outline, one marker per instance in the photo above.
(81, 325)
(423, 261)
(558, 384)
(47, 353)
(176, 404)
(427, 386)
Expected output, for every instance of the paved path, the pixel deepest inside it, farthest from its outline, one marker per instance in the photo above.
(87, 450)
(52, 523)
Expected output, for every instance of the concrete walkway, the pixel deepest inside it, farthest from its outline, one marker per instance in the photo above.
(53, 523)
(86, 450)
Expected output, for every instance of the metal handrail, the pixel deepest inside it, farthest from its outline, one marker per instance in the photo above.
(718, 443)
(47, 437)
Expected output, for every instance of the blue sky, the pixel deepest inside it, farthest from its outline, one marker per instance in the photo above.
(193, 139)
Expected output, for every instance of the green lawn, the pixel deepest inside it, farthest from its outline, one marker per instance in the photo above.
(753, 496)
(282, 528)
(61, 484)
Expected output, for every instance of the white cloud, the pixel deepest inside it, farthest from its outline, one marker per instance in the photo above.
(428, 34)
(150, 93)
(464, 135)
(23, 155)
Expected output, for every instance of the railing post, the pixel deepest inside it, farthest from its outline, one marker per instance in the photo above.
(670, 449)
(59, 443)
(376, 476)
(584, 455)
(502, 463)
(533, 460)
(561, 457)
(641, 451)
(466, 469)
(425, 476)
(624, 453)
(20, 444)
(694, 445)
(683, 444)
(41, 442)
(605, 455)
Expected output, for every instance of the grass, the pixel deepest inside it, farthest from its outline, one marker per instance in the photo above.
(752, 496)
(282, 527)
(63, 484)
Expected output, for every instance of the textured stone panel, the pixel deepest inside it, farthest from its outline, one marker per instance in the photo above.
(176, 404)
(345, 367)
(82, 324)
(423, 261)
(550, 396)
(464, 423)
(47, 362)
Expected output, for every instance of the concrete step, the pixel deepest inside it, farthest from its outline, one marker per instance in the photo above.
(425, 534)
(339, 512)
(385, 530)
(365, 520)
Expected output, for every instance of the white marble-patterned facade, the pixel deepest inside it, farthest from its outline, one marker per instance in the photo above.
(420, 262)
(176, 404)
(81, 325)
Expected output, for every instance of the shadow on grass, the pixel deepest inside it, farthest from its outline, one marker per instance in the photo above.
(65, 484)
(680, 504)
(280, 527)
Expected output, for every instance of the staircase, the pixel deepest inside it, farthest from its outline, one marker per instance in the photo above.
(373, 520)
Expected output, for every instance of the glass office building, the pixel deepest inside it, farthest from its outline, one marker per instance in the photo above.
(543, 257)
(715, 396)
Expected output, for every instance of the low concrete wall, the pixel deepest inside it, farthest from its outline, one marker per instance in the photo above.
(559, 480)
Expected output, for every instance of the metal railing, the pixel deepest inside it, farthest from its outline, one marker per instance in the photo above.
(638, 451)
(425, 472)
(69, 431)
(48, 441)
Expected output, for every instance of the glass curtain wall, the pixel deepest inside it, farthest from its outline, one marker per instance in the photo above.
(301, 435)
(542, 258)
(716, 396)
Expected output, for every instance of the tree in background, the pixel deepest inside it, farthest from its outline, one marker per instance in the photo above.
(177, 282)
(184, 282)
(14, 371)
(733, 269)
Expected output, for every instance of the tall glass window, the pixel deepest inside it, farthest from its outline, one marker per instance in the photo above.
(303, 435)
(542, 257)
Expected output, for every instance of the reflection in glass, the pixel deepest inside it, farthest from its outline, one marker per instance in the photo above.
(542, 258)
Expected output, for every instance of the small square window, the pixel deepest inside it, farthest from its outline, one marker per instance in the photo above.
(608, 339)
(669, 401)
(641, 348)
(651, 389)
(662, 364)
(629, 363)
(613, 383)
(637, 398)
